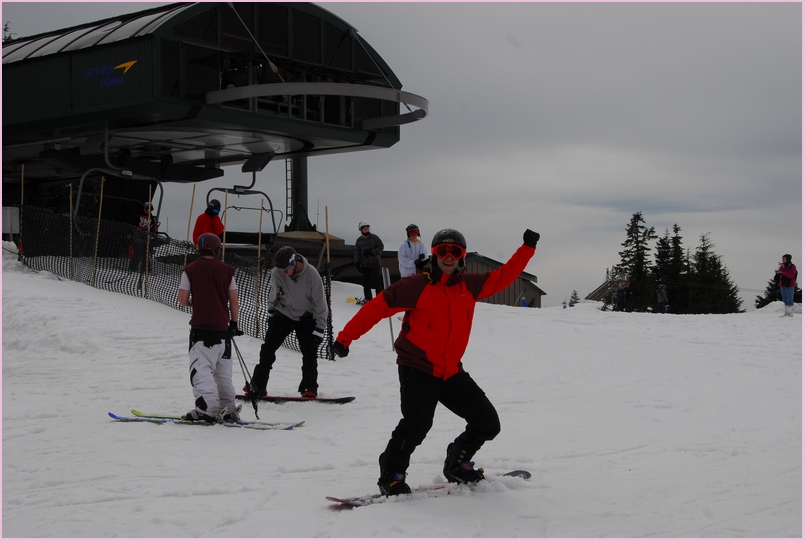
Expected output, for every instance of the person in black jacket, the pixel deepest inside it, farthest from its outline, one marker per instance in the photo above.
(368, 250)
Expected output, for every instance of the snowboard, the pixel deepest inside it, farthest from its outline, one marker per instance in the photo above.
(281, 399)
(441, 489)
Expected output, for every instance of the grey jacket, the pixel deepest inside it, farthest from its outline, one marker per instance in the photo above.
(300, 294)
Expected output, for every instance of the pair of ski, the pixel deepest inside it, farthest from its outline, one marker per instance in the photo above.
(175, 419)
(441, 489)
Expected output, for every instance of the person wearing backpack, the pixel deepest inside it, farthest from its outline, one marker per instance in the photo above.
(786, 278)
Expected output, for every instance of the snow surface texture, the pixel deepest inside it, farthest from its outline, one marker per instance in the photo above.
(634, 425)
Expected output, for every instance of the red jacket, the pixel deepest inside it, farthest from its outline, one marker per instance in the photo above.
(438, 317)
(789, 272)
(207, 224)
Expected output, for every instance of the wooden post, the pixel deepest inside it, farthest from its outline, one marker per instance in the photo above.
(97, 235)
(226, 202)
(70, 232)
(259, 274)
(148, 239)
(330, 354)
(189, 220)
(20, 248)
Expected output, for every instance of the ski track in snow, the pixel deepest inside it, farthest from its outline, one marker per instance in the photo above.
(633, 425)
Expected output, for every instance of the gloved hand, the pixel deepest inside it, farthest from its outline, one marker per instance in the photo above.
(421, 262)
(233, 329)
(530, 238)
(340, 349)
(317, 336)
(271, 314)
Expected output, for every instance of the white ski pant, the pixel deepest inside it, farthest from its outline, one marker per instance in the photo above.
(211, 377)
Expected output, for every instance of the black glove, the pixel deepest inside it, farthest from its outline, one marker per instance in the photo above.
(317, 336)
(233, 329)
(340, 349)
(530, 238)
(421, 262)
(271, 314)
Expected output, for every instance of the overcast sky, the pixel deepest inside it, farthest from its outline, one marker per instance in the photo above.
(565, 118)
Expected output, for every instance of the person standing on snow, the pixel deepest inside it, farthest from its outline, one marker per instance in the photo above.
(662, 298)
(786, 278)
(368, 250)
(147, 225)
(297, 304)
(412, 255)
(208, 286)
(439, 305)
(209, 221)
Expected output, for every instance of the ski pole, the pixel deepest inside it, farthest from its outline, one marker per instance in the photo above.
(387, 283)
(246, 377)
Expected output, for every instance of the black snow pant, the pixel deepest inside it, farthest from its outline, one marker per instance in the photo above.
(279, 328)
(419, 395)
(372, 279)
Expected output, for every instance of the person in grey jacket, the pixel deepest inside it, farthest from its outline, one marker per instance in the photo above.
(296, 303)
(412, 255)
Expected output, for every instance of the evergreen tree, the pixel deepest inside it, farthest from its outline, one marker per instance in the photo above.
(771, 294)
(671, 268)
(712, 289)
(678, 273)
(574, 298)
(634, 259)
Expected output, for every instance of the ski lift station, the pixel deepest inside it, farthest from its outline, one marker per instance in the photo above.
(178, 92)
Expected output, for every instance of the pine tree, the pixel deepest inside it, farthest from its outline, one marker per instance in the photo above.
(712, 289)
(671, 267)
(771, 295)
(634, 259)
(574, 299)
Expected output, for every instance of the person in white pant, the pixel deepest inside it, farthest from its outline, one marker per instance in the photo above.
(412, 254)
(208, 286)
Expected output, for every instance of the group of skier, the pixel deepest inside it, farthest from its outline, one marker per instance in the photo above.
(437, 297)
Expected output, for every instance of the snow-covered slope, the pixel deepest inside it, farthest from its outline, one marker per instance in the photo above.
(634, 425)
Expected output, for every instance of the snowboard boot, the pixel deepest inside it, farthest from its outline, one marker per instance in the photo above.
(458, 468)
(259, 382)
(392, 484)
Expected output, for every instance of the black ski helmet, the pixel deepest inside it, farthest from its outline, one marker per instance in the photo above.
(787, 257)
(214, 205)
(285, 258)
(448, 236)
(208, 242)
(412, 227)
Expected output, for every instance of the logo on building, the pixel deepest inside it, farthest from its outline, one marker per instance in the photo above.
(109, 75)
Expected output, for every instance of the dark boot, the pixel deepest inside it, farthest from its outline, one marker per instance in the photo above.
(392, 484)
(458, 468)
(259, 380)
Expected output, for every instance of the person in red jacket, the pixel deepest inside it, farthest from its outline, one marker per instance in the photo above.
(209, 221)
(786, 278)
(439, 305)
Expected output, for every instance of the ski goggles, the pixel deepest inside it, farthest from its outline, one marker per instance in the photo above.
(453, 250)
